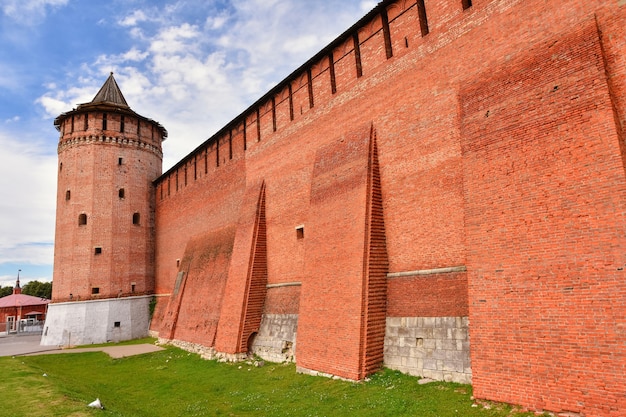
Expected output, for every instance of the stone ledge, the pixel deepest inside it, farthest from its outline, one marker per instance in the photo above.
(433, 271)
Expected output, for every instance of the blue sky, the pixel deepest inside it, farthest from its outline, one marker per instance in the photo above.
(192, 65)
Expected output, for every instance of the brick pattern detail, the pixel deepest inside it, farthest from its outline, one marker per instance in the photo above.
(613, 43)
(244, 295)
(283, 300)
(204, 264)
(501, 147)
(436, 295)
(255, 290)
(94, 164)
(341, 324)
(545, 197)
(376, 268)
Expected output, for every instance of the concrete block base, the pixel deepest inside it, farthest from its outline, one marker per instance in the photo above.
(430, 347)
(96, 321)
(276, 339)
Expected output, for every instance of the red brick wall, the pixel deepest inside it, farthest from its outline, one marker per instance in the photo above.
(545, 202)
(89, 179)
(527, 196)
(205, 271)
(244, 295)
(282, 300)
(436, 295)
(376, 267)
(22, 312)
(205, 210)
(330, 321)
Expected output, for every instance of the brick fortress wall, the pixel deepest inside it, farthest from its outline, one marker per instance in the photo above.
(499, 133)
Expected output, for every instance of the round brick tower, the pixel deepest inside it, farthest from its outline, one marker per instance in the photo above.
(104, 244)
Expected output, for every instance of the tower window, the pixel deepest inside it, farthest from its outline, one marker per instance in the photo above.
(120, 193)
(97, 250)
(122, 124)
(61, 167)
(86, 120)
(120, 160)
(117, 324)
(300, 232)
(136, 218)
(82, 219)
(466, 4)
(67, 195)
(104, 121)
(95, 290)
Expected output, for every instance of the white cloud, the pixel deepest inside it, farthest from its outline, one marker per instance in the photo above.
(41, 276)
(175, 40)
(194, 78)
(134, 54)
(218, 21)
(28, 205)
(185, 64)
(134, 18)
(29, 11)
(59, 101)
(53, 106)
(368, 5)
(301, 43)
(110, 62)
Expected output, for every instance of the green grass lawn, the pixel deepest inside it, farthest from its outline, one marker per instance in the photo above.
(177, 383)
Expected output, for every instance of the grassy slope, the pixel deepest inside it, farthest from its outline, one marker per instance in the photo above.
(177, 383)
(24, 391)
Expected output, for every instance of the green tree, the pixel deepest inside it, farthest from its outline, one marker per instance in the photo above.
(4, 291)
(38, 289)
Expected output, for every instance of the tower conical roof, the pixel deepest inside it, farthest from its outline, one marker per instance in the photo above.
(108, 99)
(110, 93)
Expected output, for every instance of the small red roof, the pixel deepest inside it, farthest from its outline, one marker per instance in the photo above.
(22, 300)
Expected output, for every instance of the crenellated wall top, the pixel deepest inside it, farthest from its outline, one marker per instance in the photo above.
(346, 45)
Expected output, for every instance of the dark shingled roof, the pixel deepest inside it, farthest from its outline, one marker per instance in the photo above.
(108, 99)
(110, 93)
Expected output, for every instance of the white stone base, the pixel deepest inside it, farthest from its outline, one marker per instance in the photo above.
(94, 321)
(205, 352)
(431, 347)
(276, 340)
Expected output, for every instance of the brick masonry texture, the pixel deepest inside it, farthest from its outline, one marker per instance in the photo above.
(94, 165)
(470, 176)
(432, 295)
(554, 197)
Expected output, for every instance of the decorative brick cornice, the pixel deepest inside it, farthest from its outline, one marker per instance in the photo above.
(102, 139)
